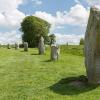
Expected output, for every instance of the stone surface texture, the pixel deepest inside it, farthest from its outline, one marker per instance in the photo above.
(16, 46)
(25, 46)
(55, 51)
(41, 46)
(8, 46)
(92, 47)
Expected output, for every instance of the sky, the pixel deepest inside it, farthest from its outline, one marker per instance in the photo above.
(68, 18)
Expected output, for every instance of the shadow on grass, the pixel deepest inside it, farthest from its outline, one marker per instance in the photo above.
(34, 54)
(47, 60)
(22, 51)
(72, 86)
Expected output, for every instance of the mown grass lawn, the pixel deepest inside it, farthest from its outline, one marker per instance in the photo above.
(29, 76)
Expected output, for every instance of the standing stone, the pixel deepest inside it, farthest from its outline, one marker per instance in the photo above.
(92, 47)
(25, 46)
(8, 46)
(53, 39)
(67, 44)
(16, 46)
(55, 51)
(41, 46)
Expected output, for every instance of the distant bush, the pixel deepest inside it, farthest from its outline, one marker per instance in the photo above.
(81, 41)
(33, 28)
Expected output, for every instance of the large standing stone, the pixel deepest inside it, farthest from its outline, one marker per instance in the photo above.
(25, 46)
(92, 47)
(8, 46)
(41, 46)
(16, 46)
(55, 51)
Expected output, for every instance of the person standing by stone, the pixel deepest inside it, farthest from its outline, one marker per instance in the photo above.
(41, 46)
(92, 47)
(55, 51)
(25, 46)
(16, 46)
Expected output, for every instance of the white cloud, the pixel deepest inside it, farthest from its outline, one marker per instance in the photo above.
(70, 39)
(93, 2)
(9, 5)
(77, 15)
(98, 6)
(10, 37)
(77, 1)
(10, 18)
(37, 2)
(46, 16)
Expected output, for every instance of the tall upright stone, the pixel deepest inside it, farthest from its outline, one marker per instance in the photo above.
(41, 46)
(25, 46)
(16, 46)
(55, 51)
(92, 47)
(8, 46)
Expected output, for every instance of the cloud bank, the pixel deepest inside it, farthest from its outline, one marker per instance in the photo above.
(93, 2)
(10, 18)
(77, 15)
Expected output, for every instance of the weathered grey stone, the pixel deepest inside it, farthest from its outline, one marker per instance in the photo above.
(25, 46)
(8, 46)
(16, 46)
(92, 47)
(55, 51)
(67, 44)
(41, 46)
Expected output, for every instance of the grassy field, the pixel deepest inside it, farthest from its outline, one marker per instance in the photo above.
(29, 76)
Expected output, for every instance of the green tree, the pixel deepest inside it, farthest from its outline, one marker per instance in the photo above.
(47, 40)
(52, 39)
(81, 41)
(33, 28)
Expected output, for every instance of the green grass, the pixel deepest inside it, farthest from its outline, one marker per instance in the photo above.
(28, 76)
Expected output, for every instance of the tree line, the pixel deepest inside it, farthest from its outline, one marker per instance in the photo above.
(33, 28)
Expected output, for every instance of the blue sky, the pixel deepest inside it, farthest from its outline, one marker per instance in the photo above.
(52, 6)
(49, 6)
(68, 18)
